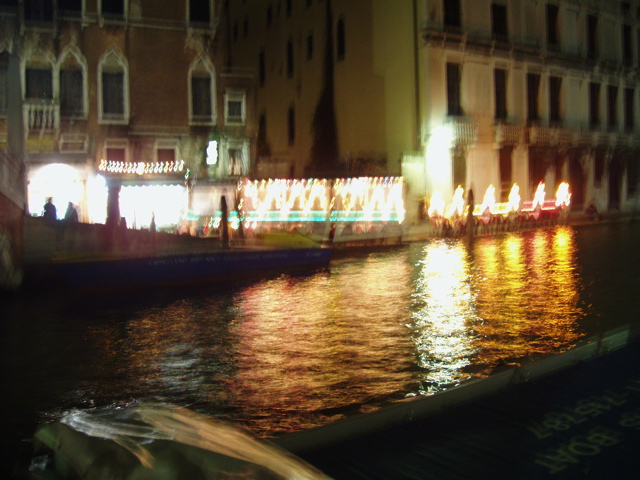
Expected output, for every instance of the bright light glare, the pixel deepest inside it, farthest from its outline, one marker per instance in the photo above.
(139, 203)
(97, 199)
(57, 180)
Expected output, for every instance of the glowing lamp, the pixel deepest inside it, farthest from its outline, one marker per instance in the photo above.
(212, 152)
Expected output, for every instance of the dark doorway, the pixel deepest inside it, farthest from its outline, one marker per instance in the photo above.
(506, 172)
(615, 184)
(576, 184)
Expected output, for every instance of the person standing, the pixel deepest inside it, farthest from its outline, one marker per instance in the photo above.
(71, 214)
(50, 210)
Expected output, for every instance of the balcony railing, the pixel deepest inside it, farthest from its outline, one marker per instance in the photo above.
(41, 116)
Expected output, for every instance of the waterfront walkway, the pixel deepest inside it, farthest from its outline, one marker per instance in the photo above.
(580, 422)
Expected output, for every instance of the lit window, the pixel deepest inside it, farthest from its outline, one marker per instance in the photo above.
(234, 113)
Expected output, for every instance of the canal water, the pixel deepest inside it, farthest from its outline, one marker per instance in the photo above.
(292, 352)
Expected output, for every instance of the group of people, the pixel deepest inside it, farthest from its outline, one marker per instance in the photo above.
(51, 212)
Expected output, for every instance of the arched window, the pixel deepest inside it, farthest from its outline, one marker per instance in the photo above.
(113, 83)
(291, 125)
(72, 86)
(202, 92)
(38, 76)
(340, 40)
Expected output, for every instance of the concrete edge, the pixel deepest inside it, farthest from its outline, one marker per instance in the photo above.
(419, 408)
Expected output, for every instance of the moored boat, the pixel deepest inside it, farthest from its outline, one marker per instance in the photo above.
(117, 270)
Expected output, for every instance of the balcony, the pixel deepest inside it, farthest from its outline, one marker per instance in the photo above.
(41, 117)
(463, 130)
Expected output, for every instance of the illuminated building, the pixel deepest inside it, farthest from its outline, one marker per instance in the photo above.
(529, 91)
(451, 92)
(118, 95)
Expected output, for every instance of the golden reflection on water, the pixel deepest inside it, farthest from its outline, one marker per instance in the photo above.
(444, 314)
(290, 353)
(314, 348)
(501, 301)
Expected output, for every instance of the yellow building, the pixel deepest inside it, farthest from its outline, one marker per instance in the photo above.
(371, 74)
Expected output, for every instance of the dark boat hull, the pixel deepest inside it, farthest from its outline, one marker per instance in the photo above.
(190, 268)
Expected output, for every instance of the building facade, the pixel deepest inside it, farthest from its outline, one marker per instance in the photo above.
(335, 83)
(475, 93)
(124, 107)
(524, 91)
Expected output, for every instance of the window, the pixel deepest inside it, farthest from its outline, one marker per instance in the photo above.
(38, 11)
(4, 83)
(235, 161)
(291, 126)
(112, 9)
(454, 106)
(552, 25)
(592, 36)
(627, 54)
(594, 104)
(71, 93)
(70, 8)
(261, 69)
(310, 46)
(199, 13)
(234, 107)
(340, 40)
(72, 85)
(166, 151)
(289, 59)
(113, 81)
(262, 146)
(533, 90)
(499, 21)
(452, 16)
(612, 105)
(115, 150)
(500, 84)
(629, 100)
(38, 83)
(202, 92)
(555, 86)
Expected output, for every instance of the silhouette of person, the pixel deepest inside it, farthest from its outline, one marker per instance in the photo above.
(71, 214)
(50, 210)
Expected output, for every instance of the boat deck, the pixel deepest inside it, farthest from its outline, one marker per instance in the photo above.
(582, 422)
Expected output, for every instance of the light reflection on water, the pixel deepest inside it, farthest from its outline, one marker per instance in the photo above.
(293, 352)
